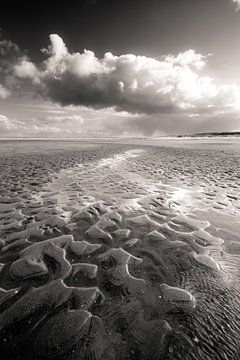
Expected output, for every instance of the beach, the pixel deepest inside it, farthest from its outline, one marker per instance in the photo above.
(120, 249)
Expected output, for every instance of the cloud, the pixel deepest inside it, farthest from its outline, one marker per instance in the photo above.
(4, 93)
(193, 115)
(26, 69)
(9, 56)
(9, 124)
(4, 122)
(85, 122)
(237, 3)
(188, 57)
(132, 83)
(68, 118)
(37, 129)
(32, 127)
(84, 95)
(8, 49)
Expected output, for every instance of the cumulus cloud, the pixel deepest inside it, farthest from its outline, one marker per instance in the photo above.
(193, 115)
(9, 124)
(4, 122)
(9, 56)
(237, 3)
(33, 127)
(67, 118)
(8, 49)
(151, 96)
(26, 69)
(188, 57)
(4, 93)
(132, 83)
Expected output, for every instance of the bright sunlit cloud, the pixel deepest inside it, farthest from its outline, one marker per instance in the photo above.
(131, 83)
(80, 94)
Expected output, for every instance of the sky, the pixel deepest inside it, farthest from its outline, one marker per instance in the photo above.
(103, 68)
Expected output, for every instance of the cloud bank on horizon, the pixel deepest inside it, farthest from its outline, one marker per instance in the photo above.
(147, 93)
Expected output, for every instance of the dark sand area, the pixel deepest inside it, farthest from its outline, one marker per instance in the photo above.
(120, 250)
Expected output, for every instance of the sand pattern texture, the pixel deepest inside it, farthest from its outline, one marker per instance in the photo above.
(113, 251)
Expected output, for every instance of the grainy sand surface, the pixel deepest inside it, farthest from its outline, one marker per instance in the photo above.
(120, 251)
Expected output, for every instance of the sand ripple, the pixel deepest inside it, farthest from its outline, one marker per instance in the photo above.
(120, 252)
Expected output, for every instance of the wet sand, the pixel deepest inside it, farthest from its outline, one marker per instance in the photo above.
(120, 251)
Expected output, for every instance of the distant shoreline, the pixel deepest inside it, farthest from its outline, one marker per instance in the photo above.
(234, 134)
(213, 134)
